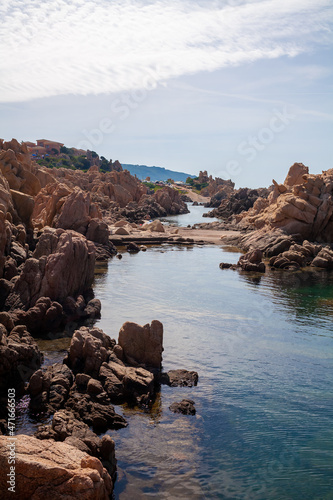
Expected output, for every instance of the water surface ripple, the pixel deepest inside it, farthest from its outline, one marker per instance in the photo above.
(262, 346)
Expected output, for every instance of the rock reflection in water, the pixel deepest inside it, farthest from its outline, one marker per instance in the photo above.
(158, 457)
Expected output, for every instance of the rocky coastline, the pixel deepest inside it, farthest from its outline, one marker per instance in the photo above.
(54, 225)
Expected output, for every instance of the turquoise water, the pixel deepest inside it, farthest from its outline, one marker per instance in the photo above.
(262, 346)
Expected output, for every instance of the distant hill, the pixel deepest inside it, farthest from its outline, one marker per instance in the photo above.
(155, 173)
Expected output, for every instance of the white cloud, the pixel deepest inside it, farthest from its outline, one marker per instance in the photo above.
(89, 47)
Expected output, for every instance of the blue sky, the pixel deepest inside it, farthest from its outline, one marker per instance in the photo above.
(242, 89)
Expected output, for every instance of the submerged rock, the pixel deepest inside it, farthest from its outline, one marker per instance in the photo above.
(66, 428)
(180, 378)
(186, 407)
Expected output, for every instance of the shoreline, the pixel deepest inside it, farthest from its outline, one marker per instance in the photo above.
(172, 234)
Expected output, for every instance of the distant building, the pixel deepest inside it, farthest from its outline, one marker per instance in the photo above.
(43, 147)
(49, 145)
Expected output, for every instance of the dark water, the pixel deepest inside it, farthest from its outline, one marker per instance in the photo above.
(263, 349)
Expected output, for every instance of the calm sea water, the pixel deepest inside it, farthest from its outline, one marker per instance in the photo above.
(263, 348)
(195, 216)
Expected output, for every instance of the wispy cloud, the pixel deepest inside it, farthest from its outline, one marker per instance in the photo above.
(89, 47)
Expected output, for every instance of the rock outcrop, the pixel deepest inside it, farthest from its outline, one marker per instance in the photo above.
(19, 354)
(49, 388)
(102, 375)
(66, 428)
(142, 345)
(50, 469)
(302, 205)
(17, 168)
(62, 265)
(89, 348)
(235, 202)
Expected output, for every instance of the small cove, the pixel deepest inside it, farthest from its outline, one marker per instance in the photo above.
(262, 346)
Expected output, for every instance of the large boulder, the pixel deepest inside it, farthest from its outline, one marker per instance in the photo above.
(89, 348)
(50, 469)
(142, 345)
(126, 383)
(49, 388)
(252, 261)
(62, 265)
(24, 205)
(19, 356)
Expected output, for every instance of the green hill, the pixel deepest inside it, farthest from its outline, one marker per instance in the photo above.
(155, 173)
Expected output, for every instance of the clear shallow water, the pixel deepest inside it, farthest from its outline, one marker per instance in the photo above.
(262, 346)
(195, 216)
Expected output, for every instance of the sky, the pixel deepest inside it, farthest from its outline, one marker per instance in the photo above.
(240, 88)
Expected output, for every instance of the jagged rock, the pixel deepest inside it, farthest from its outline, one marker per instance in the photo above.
(17, 167)
(324, 259)
(24, 205)
(124, 383)
(186, 407)
(6, 287)
(94, 410)
(49, 388)
(19, 357)
(7, 321)
(300, 256)
(304, 206)
(230, 202)
(180, 378)
(10, 268)
(66, 428)
(62, 265)
(252, 261)
(142, 345)
(227, 265)
(89, 348)
(98, 232)
(50, 469)
(44, 316)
